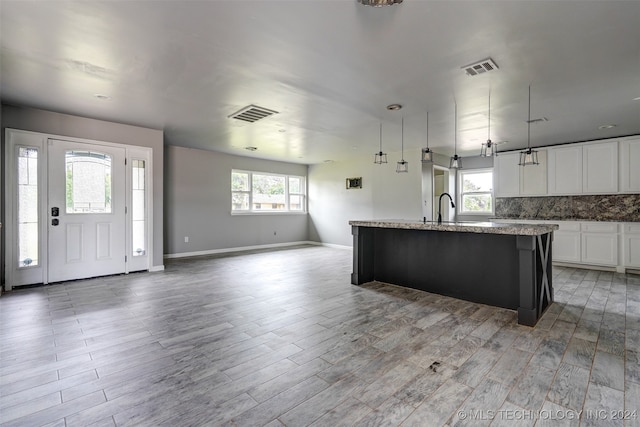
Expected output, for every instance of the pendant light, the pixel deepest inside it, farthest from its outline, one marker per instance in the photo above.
(380, 157)
(456, 161)
(403, 165)
(489, 148)
(427, 154)
(529, 156)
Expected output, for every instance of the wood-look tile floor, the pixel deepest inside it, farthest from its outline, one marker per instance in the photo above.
(281, 338)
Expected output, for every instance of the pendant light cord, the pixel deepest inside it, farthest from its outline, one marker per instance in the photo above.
(402, 140)
(455, 130)
(529, 122)
(427, 130)
(380, 137)
(489, 127)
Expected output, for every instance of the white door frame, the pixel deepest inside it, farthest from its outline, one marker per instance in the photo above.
(16, 276)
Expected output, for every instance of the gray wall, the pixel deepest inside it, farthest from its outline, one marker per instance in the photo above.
(385, 194)
(198, 204)
(79, 127)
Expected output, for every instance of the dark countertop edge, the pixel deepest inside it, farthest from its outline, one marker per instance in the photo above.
(462, 227)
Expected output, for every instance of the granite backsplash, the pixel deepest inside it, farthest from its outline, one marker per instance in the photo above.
(616, 207)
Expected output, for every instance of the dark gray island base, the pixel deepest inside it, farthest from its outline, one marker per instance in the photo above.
(503, 265)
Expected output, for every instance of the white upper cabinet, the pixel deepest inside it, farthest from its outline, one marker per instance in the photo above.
(629, 161)
(565, 170)
(513, 180)
(507, 174)
(533, 179)
(600, 168)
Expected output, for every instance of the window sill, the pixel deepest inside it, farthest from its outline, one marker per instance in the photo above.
(476, 213)
(268, 213)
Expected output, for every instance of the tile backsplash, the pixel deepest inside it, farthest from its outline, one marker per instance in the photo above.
(616, 207)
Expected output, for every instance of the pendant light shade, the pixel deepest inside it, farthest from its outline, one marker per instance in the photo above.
(380, 157)
(456, 161)
(489, 148)
(402, 166)
(529, 156)
(427, 154)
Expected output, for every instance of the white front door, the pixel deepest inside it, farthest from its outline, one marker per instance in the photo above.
(86, 210)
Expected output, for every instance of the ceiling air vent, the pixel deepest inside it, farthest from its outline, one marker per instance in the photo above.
(480, 67)
(252, 113)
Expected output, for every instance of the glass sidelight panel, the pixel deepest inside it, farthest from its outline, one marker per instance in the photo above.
(88, 182)
(28, 246)
(138, 209)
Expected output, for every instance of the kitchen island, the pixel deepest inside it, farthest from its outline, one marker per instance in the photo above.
(503, 265)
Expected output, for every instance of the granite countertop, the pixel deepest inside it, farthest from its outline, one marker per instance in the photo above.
(544, 220)
(461, 227)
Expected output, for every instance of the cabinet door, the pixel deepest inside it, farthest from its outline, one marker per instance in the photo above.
(600, 168)
(632, 250)
(507, 175)
(600, 248)
(533, 179)
(566, 246)
(565, 170)
(629, 161)
(631, 245)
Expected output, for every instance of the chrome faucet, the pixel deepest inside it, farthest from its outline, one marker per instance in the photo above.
(440, 206)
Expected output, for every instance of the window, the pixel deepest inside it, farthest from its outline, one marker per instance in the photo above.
(138, 208)
(88, 182)
(261, 192)
(28, 243)
(476, 191)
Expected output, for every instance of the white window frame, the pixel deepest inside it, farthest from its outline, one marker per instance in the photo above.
(287, 194)
(461, 193)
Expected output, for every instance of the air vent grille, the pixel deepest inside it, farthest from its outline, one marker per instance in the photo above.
(480, 67)
(252, 113)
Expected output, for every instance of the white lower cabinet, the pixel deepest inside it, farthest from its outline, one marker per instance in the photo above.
(631, 245)
(594, 243)
(566, 242)
(599, 243)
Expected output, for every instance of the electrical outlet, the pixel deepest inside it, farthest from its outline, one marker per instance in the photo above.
(186, 239)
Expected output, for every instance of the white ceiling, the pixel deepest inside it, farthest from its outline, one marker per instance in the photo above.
(330, 67)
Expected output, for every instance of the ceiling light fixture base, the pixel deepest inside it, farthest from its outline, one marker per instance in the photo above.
(379, 3)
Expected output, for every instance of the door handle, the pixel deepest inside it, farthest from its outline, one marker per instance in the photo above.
(55, 221)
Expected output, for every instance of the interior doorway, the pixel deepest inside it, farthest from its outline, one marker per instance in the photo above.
(443, 183)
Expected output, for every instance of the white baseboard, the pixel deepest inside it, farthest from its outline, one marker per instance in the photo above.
(584, 266)
(331, 245)
(157, 268)
(240, 249)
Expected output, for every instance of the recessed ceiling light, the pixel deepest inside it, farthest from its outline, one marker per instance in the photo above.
(102, 96)
(606, 127)
(251, 148)
(394, 107)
